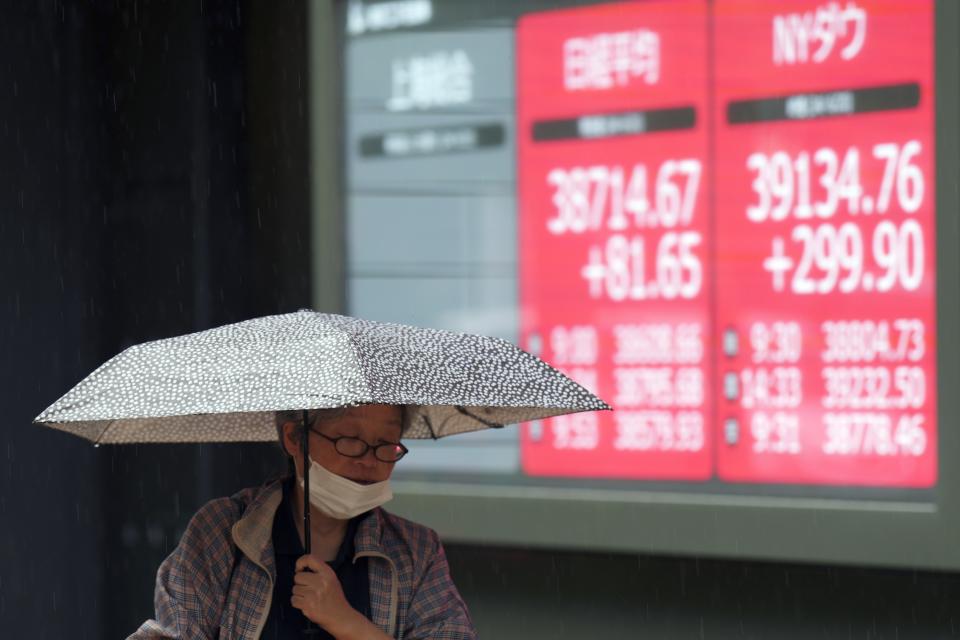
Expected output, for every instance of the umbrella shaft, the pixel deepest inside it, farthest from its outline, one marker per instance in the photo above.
(304, 445)
(310, 630)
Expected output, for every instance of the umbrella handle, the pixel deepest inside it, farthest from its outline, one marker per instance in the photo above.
(311, 629)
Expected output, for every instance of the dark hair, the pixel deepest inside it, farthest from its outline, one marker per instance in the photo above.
(314, 416)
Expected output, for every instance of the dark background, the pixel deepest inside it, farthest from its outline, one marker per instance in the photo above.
(155, 180)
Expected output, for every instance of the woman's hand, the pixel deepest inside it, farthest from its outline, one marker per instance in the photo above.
(318, 594)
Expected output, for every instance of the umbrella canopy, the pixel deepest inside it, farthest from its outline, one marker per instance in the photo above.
(224, 384)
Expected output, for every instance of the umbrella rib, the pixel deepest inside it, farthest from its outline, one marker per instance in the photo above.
(484, 421)
(433, 434)
(99, 439)
(363, 371)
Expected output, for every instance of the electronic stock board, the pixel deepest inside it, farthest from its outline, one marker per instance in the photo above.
(721, 217)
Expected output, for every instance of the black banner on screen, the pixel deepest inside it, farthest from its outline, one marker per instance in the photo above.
(826, 104)
(611, 125)
(428, 141)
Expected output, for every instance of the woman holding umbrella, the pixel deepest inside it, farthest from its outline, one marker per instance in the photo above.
(339, 392)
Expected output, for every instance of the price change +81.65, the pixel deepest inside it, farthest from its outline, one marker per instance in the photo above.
(624, 201)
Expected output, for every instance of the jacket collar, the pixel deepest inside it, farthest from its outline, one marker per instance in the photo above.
(253, 532)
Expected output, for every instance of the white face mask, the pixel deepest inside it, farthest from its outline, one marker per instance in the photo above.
(341, 498)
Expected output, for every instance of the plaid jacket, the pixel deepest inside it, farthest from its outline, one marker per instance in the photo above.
(218, 582)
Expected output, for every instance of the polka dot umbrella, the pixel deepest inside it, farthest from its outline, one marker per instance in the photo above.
(225, 384)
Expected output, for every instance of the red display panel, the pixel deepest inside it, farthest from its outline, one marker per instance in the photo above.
(614, 275)
(825, 305)
(727, 225)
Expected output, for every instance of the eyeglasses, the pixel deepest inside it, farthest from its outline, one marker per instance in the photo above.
(357, 448)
